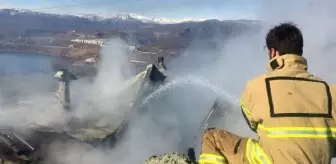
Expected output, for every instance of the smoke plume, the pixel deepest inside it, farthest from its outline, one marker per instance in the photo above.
(172, 118)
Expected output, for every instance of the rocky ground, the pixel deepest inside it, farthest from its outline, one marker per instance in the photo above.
(84, 51)
(170, 158)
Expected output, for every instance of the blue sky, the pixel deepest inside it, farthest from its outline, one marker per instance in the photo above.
(220, 9)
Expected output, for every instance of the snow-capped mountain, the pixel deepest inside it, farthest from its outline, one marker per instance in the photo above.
(15, 12)
(144, 19)
(31, 23)
(100, 17)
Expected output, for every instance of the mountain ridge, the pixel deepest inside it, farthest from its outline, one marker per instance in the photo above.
(144, 19)
(102, 17)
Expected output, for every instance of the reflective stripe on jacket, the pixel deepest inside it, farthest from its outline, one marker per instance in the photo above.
(255, 154)
(211, 159)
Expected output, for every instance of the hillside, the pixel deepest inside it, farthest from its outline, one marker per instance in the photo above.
(25, 22)
(25, 30)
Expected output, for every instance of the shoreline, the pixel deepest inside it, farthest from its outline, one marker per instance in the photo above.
(23, 51)
(34, 52)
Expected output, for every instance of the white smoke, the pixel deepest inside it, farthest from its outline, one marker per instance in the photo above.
(173, 118)
(26, 102)
(100, 98)
(166, 122)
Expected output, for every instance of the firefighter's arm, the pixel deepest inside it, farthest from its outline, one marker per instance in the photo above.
(247, 107)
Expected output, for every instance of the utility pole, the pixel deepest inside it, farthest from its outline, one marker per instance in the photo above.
(63, 92)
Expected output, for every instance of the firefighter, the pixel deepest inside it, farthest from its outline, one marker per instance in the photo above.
(290, 109)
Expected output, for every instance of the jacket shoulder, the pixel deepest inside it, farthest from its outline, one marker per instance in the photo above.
(256, 82)
(332, 89)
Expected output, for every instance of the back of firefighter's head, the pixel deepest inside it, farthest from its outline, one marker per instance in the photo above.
(284, 38)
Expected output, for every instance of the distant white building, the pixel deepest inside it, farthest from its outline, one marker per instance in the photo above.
(90, 60)
(132, 48)
(89, 41)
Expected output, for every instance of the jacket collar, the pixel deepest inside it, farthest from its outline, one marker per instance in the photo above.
(287, 61)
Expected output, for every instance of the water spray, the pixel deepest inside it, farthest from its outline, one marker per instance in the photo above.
(193, 80)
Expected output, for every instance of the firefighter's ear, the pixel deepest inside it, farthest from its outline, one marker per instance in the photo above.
(272, 53)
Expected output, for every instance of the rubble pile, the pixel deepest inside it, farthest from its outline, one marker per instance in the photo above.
(170, 158)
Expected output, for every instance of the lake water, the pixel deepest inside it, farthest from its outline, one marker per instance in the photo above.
(26, 63)
(24, 74)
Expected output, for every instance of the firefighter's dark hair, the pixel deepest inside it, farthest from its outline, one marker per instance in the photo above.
(285, 38)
